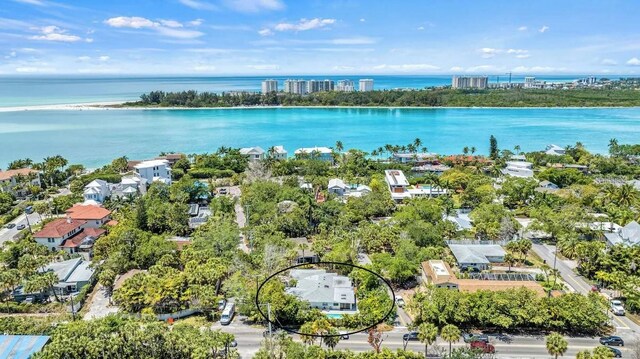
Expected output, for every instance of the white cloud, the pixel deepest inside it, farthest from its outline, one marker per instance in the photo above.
(198, 5)
(481, 68)
(170, 28)
(33, 69)
(264, 67)
(456, 68)
(254, 5)
(544, 28)
(488, 52)
(32, 2)
(523, 56)
(265, 32)
(538, 69)
(360, 40)
(54, 33)
(196, 22)
(522, 28)
(11, 54)
(343, 68)
(204, 68)
(84, 58)
(420, 28)
(133, 22)
(362, 20)
(517, 51)
(104, 58)
(170, 23)
(609, 62)
(634, 62)
(406, 67)
(305, 24)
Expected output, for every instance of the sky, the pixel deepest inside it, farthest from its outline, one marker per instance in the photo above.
(283, 37)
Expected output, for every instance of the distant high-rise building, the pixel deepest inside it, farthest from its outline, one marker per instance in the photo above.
(298, 87)
(269, 86)
(366, 85)
(345, 86)
(319, 85)
(529, 82)
(465, 82)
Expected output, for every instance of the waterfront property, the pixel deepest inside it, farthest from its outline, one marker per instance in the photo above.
(154, 171)
(469, 82)
(16, 181)
(253, 153)
(278, 153)
(554, 150)
(521, 169)
(269, 85)
(403, 157)
(478, 256)
(323, 290)
(365, 85)
(320, 153)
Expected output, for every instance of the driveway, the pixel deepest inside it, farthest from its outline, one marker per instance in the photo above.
(99, 304)
(241, 219)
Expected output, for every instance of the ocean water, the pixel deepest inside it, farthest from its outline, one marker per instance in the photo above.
(50, 90)
(95, 137)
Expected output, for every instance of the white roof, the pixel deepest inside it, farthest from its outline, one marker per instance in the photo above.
(302, 150)
(96, 183)
(555, 150)
(151, 163)
(318, 286)
(279, 149)
(518, 172)
(129, 190)
(476, 253)
(91, 190)
(252, 151)
(363, 188)
(396, 178)
(519, 164)
(337, 183)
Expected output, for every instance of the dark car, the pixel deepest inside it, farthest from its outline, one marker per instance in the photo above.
(612, 340)
(483, 347)
(410, 336)
(616, 352)
(221, 304)
(469, 269)
(470, 337)
(21, 227)
(10, 225)
(222, 191)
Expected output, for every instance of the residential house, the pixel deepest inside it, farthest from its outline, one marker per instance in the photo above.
(628, 235)
(95, 216)
(337, 187)
(547, 187)
(16, 181)
(304, 252)
(130, 186)
(68, 234)
(413, 157)
(479, 256)
(438, 274)
(97, 190)
(358, 190)
(172, 158)
(400, 189)
(253, 153)
(323, 290)
(554, 150)
(461, 219)
(521, 169)
(320, 153)
(279, 153)
(154, 171)
(73, 275)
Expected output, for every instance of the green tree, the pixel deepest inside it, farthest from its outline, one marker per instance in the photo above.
(427, 334)
(556, 344)
(493, 148)
(450, 333)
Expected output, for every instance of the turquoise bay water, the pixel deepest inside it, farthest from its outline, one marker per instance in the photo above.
(94, 138)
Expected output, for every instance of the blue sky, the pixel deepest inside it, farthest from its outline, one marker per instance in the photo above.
(282, 37)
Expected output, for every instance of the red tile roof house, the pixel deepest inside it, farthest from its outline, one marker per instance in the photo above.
(95, 216)
(68, 234)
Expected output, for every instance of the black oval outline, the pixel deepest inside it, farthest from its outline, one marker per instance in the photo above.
(393, 300)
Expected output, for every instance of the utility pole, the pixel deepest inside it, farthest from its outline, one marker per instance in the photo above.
(73, 307)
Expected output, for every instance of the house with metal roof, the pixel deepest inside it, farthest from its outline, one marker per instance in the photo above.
(323, 290)
(337, 187)
(21, 346)
(478, 256)
(628, 235)
(73, 274)
(554, 150)
(253, 153)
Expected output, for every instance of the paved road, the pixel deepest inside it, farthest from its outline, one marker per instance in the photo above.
(624, 326)
(241, 220)
(8, 234)
(99, 304)
(250, 339)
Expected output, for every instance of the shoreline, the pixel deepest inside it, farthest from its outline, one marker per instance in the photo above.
(111, 105)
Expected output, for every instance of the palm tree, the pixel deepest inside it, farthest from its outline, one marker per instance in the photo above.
(473, 149)
(510, 260)
(450, 333)
(603, 353)
(332, 339)
(465, 150)
(427, 334)
(585, 354)
(626, 195)
(516, 149)
(556, 344)
(417, 142)
(339, 146)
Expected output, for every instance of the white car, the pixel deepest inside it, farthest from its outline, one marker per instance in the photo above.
(617, 308)
(399, 301)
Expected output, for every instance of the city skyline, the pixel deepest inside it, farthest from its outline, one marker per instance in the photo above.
(279, 37)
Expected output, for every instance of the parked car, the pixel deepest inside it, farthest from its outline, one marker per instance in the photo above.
(344, 335)
(10, 225)
(21, 227)
(470, 337)
(612, 340)
(221, 304)
(410, 336)
(222, 191)
(483, 346)
(469, 269)
(616, 307)
(400, 301)
(227, 314)
(616, 352)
